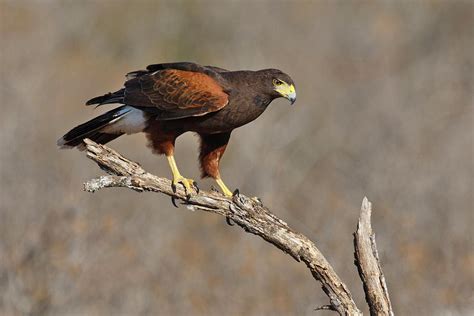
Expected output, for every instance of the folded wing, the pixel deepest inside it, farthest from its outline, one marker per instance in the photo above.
(171, 93)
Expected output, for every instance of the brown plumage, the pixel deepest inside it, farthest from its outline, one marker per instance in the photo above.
(167, 100)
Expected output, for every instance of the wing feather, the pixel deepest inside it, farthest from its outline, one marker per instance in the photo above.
(176, 93)
(173, 90)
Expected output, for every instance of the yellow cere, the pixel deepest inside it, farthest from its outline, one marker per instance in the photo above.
(286, 90)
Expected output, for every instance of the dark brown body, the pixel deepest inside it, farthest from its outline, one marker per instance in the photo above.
(213, 128)
(241, 109)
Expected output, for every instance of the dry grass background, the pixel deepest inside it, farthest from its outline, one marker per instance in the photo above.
(384, 109)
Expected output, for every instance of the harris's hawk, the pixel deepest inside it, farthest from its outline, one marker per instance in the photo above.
(167, 100)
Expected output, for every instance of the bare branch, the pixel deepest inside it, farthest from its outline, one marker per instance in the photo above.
(250, 214)
(324, 308)
(368, 264)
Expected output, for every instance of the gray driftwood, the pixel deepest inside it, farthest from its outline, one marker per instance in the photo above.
(250, 214)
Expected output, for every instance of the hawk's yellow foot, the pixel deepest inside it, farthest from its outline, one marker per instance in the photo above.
(225, 190)
(187, 183)
(178, 178)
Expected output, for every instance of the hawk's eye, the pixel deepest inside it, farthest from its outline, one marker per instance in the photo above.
(277, 82)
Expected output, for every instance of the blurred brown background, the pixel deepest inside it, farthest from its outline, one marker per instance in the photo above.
(384, 109)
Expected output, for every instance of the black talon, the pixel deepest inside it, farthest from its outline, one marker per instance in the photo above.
(236, 192)
(173, 200)
(196, 187)
(173, 187)
(229, 221)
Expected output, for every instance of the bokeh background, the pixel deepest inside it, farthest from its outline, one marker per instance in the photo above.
(384, 109)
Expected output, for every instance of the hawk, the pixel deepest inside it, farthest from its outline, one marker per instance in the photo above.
(167, 100)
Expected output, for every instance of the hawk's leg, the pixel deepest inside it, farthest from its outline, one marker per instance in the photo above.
(178, 178)
(163, 143)
(223, 187)
(212, 149)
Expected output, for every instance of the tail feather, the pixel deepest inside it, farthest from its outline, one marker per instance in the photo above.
(115, 97)
(99, 129)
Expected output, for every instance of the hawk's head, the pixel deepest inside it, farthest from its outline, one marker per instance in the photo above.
(278, 84)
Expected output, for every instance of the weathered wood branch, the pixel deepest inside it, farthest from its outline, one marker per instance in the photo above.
(248, 213)
(368, 264)
(255, 218)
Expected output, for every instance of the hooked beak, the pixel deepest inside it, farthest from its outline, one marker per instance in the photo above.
(288, 92)
(292, 97)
